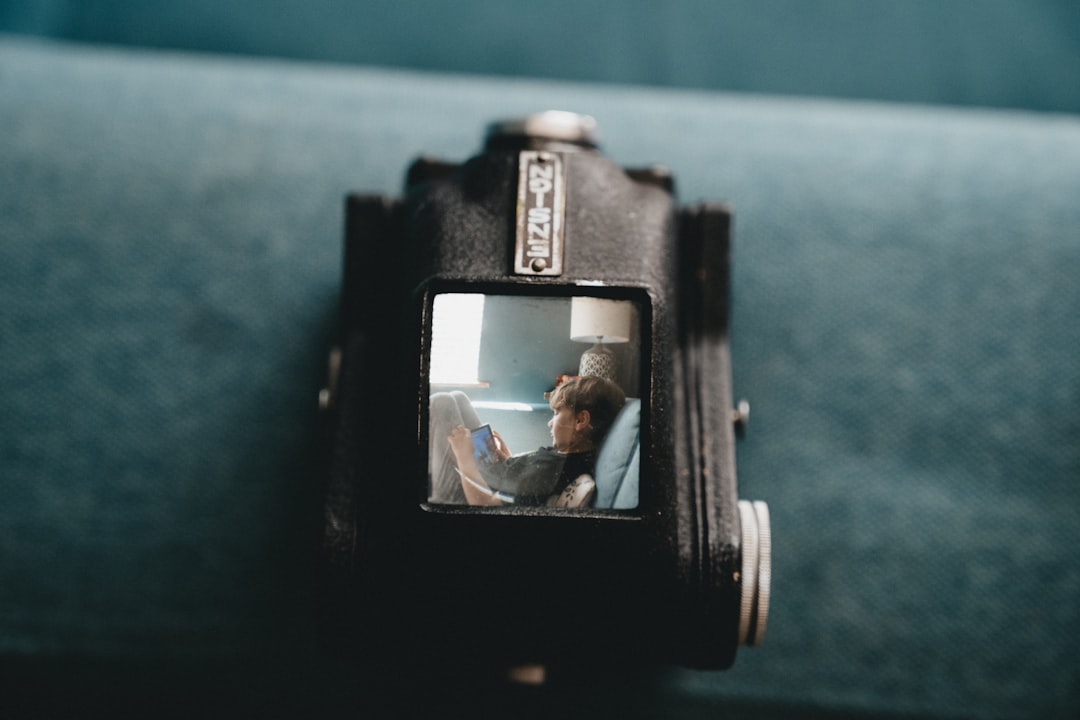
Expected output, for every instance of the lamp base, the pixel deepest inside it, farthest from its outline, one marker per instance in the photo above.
(598, 360)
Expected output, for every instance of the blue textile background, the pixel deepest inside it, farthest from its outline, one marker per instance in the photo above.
(998, 53)
(905, 326)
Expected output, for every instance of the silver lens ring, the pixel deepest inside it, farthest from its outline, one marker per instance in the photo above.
(764, 573)
(756, 574)
(749, 573)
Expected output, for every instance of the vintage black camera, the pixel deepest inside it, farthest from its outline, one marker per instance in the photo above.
(491, 287)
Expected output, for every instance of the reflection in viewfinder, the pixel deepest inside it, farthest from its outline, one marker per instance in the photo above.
(514, 352)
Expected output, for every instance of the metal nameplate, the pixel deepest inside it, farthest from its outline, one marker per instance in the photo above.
(541, 205)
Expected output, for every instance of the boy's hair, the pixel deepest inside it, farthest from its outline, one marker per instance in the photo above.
(602, 398)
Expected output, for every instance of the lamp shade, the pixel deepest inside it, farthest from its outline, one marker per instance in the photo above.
(598, 320)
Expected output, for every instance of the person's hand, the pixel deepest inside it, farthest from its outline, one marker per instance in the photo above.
(461, 443)
(501, 448)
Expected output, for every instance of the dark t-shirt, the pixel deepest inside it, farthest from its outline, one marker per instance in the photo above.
(534, 477)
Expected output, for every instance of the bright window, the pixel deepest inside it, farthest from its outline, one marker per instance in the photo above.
(456, 326)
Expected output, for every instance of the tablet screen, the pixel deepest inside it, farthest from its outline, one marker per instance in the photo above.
(484, 445)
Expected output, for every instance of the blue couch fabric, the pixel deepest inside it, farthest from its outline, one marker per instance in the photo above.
(997, 53)
(905, 325)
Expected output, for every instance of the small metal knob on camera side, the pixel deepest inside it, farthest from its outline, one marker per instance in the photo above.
(740, 416)
(755, 576)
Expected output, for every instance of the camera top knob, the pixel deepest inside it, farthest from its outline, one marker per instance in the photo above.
(556, 126)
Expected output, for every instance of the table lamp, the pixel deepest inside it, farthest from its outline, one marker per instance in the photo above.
(601, 322)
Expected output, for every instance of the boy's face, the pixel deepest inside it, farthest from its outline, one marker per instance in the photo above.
(562, 426)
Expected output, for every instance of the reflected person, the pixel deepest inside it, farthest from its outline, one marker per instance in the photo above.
(583, 410)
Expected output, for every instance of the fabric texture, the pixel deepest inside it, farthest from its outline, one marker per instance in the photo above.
(905, 308)
(998, 53)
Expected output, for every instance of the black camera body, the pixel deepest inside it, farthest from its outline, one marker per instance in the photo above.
(486, 280)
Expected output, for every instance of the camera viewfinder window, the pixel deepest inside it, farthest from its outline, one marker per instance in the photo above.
(534, 401)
